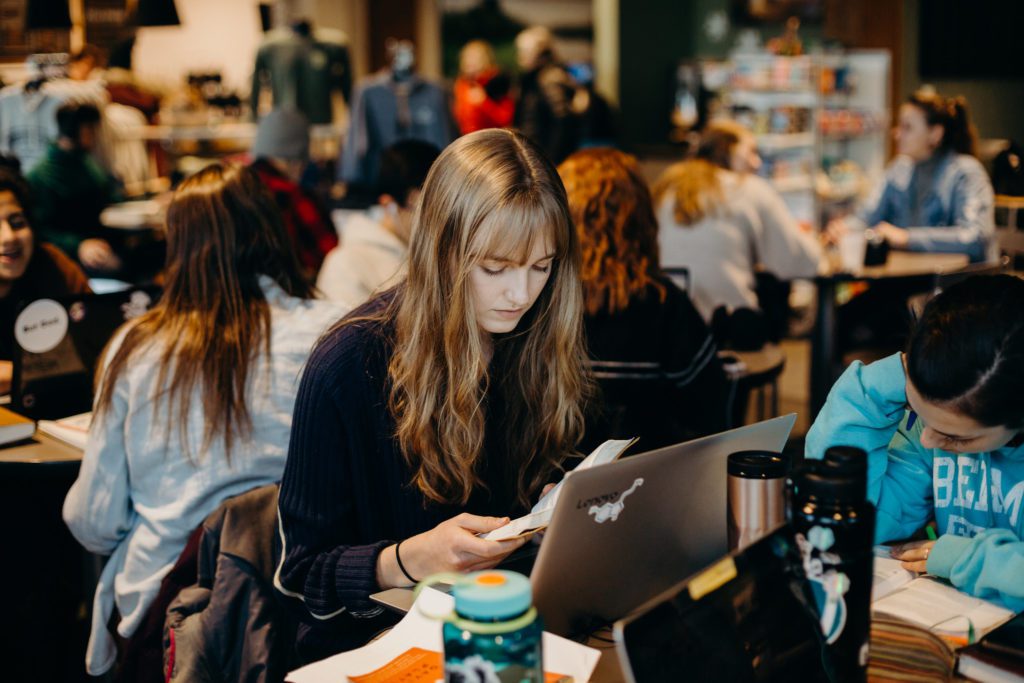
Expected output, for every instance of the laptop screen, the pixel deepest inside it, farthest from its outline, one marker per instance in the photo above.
(57, 345)
(755, 626)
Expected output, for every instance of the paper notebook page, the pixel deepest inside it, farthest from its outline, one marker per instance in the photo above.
(889, 576)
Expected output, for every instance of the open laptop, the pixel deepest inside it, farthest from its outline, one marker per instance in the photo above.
(57, 345)
(625, 532)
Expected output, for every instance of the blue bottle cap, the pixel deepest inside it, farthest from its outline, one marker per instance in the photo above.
(492, 595)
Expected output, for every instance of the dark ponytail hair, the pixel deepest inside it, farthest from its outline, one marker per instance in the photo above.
(967, 350)
(951, 113)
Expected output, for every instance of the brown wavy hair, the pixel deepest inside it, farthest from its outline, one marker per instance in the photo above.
(611, 207)
(224, 231)
(490, 194)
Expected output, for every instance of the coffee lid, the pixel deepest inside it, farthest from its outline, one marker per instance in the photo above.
(758, 465)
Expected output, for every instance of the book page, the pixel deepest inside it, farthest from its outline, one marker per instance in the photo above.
(540, 515)
(889, 575)
(942, 608)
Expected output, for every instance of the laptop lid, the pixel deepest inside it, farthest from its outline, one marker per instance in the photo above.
(57, 345)
(747, 617)
(627, 531)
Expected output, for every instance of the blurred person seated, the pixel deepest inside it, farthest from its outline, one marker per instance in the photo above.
(936, 195)
(86, 63)
(722, 223)
(281, 153)
(651, 352)
(70, 190)
(194, 398)
(481, 91)
(373, 247)
(27, 270)
(544, 108)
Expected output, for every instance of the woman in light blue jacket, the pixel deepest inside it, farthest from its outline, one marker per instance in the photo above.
(194, 400)
(936, 195)
(942, 425)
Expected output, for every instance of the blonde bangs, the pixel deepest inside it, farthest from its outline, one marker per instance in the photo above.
(510, 230)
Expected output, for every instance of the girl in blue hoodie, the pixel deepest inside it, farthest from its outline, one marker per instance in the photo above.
(942, 425)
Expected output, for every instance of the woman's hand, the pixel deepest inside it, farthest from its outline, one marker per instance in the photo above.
(914, 556)
(898, 238)
(834, 231)
(451, 546)
(97, 254)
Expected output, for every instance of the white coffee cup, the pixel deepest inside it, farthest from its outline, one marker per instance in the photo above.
(852, 247)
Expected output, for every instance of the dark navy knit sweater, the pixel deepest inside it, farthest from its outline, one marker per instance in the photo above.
(345, 494)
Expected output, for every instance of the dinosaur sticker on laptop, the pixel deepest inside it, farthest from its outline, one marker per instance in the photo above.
(611, 511)
(541, 513)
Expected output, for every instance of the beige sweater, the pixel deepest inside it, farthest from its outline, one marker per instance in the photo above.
(752, 229)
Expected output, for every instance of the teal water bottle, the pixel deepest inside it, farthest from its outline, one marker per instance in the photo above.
(494, 634)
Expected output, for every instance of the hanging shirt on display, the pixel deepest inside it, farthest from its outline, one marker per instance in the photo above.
(302, 71)
(386, 110)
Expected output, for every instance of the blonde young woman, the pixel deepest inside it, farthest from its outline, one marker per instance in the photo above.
(721, 221)
(441, 407)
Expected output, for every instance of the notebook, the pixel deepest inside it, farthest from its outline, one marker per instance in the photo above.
(999, 656)
(14, 427)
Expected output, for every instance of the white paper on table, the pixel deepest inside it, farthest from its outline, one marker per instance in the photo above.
(540, 515)
(418, 630)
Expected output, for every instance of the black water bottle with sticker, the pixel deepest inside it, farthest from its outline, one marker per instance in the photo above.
(834, 526)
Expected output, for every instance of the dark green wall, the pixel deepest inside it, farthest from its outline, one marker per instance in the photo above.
(653, 36)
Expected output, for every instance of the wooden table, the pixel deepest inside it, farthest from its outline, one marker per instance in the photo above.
(900, 265)
(41, 451)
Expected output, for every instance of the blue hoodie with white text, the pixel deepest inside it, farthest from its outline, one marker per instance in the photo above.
(976, 499)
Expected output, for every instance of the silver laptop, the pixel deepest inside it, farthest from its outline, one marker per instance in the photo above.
(625, 532)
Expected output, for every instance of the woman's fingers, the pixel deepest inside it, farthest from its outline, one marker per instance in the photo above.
(916, 552)
(478, 524)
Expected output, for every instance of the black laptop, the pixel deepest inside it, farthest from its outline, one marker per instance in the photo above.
(748, 617)
(58, 343)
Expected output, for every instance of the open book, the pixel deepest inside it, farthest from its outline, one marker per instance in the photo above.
(540, 515)
(931, 603)
(73, 430)
(924, 620)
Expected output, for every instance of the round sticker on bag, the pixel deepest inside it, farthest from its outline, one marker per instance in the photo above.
(41, 326)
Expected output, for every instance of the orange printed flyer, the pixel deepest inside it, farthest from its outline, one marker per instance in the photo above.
(423, 666)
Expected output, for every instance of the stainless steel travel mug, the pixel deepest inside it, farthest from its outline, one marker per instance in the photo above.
(756, 495)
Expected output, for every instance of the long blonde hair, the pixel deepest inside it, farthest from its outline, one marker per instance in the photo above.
(490, 193)
(696, 184)
(695, 187)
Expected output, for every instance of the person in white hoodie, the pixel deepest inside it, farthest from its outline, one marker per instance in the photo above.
(371, 256)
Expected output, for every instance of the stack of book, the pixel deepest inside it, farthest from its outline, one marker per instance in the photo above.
(920, 623)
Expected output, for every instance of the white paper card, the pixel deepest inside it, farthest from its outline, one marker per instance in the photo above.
(417, 630)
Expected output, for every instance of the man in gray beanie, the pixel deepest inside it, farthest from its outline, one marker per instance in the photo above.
(280, 153)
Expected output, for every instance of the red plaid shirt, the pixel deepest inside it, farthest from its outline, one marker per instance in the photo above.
(305, 219)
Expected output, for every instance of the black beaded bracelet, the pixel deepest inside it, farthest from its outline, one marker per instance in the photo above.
(402, 566)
